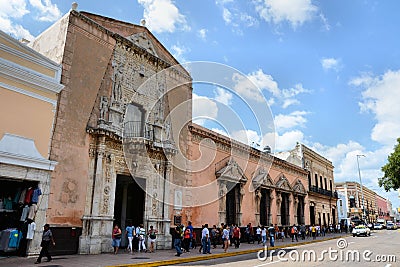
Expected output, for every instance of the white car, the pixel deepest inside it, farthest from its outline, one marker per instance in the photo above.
(361, 230)
(391, 226)
(378, 226)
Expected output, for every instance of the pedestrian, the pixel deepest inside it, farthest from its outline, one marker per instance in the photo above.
(205, 239)
(177, 235)
(313, 231)
(236, 236)
(47, 238)
(130, 232)
(271, 233)
(142, 238)
(186, 240)
(190, 227)
(152, 236)
(258, 234)
(294, 232)
(214, 236)
(264, 235)
(225, 237)
(303, 231)
(116, 238)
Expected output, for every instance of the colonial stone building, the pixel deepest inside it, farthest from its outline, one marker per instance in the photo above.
(321, 192)
(29, 87)
(241, 185)
(352, 198)
(114, 136)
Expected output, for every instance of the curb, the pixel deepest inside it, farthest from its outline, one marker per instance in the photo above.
(219, 255)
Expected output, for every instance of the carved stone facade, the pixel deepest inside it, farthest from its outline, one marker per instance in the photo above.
(115, 135)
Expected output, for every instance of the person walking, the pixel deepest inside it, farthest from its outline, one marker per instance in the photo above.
(263, 235)
(152, 233)
(177, 235)
(225, 237)
(313, 231)
(130, 232)
(116, 238)
(271, 232)
(142, 239)
(47, 238)
(236, 236)
(205, 239)
(294, 233)
(186, 240)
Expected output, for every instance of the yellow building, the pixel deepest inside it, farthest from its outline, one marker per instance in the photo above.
(29, 87)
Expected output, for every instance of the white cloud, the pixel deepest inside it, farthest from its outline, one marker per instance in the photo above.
(217, 130)
(202, 33)
(296, 12)
(330, 64)
(381, 97)
(226, 15)
(47, 11)
(178, 52)
(10, 10)
(233, 15)
(203, 109)
(286, 141)
(258, 81)
(163, 16)
(223, 96)
(292, 120)
(247, 136)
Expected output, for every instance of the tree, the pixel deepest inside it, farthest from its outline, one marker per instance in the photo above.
(391, 178)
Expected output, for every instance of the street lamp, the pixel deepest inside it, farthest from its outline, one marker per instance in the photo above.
(362, 194)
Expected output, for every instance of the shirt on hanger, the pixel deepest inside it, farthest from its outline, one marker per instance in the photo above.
(31, 230)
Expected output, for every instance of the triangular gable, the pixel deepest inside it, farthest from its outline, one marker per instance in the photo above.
(299, 188)
(282, 183)
(231, 172)
(141, 39)
(261, 178)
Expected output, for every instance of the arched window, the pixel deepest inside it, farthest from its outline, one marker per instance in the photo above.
(134, 121)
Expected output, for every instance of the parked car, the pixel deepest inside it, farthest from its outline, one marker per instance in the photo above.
(391, 226)
(378, 226)
(361, 230)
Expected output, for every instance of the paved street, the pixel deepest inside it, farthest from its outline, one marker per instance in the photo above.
(159, 258)
(380, 249)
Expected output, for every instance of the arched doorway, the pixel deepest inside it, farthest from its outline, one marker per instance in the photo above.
(265, 207)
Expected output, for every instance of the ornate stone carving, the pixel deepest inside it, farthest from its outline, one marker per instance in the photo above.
(282, 183)
(261, 178)
(299, 188)
(231, 172)
(103, 108)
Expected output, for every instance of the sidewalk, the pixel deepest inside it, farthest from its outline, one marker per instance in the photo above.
(160, 257)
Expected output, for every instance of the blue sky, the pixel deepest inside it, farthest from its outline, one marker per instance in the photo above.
(328, 70)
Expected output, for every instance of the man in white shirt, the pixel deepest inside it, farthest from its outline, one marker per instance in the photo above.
(205, 239)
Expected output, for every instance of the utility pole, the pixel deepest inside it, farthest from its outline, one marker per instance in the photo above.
(362, 194)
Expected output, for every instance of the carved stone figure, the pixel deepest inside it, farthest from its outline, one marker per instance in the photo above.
(117, 87)
(103, 107)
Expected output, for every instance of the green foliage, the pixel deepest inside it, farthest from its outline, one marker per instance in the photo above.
(391, 178)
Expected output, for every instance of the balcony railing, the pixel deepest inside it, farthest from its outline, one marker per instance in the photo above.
(322, 191)
(133, 129)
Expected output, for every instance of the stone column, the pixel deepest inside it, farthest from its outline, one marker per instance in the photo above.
(295, 204)
(164, 240)
(278, 207)
(222, 202)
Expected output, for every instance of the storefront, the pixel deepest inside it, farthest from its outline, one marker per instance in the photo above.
(24, 190)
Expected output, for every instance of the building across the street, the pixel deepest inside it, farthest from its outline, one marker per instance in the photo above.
(29, 89)
(375, 207)
(322, 196)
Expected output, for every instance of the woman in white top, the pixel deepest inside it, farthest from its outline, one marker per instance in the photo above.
(225, 237)
(264, 235)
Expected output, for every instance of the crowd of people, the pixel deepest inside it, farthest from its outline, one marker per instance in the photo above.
(185, 238)
(231, 235)
(136, 237)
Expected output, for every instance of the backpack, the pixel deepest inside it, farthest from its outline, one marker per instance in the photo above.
(292, 230)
